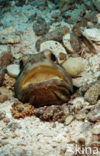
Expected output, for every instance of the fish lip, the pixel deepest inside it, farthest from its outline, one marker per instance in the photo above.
(32, 90)
(18, 89)
(41, 73)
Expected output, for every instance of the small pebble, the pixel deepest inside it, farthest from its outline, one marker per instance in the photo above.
(6, 120)
(13, 70)
(80, 116)
(74, 66)
(96, 128)
(2, 115)
(2, 74)
(3, 98)
(69, 119)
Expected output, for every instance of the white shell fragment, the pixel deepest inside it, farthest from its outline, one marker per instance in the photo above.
(66, 42)
(13, 70)
(56, 48)
(74, 66)
(93, 34)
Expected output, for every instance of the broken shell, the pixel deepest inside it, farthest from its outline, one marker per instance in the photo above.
(67, 44)
(93, 34)
(13, 70)
(74, 66)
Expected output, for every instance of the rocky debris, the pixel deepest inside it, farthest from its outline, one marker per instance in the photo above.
(10, 39)
(20, 3)
(56, 14)
(93, 93)
(96, 128)
(98, 18)
(2, 75)
(94, 115)
(5, 94)
(78, 82)
(91, 17)
(69, 119)
(55, 35)
(32, 17)
(20, 110)
(4, 3)
(5, 56)
(81, 115)
(74, 16)
(67, 44)
(96, 4)
(2, 115)
(13, 70)
(6, 120)
(75, 38)
(52, 113)
(74, 66)
(9, 82)
(57, 49)
(93, 34)
(5, 59)
(13, 126)
(40, 26)
(9, 36)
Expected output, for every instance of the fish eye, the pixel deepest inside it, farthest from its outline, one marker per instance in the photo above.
(21, 64)
(53, 57)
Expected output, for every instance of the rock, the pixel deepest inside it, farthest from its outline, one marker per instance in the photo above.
(5, 94)
(6, 120)
(98, 17)
(80, 116)
(74, 66)
(93, 93)
(5, 56)
(94, 114)
(67, 44)
(13, 70)
(40, 26)
(12, 126)
(20, 110)
(78, 82)
(55, 34)
(93, 34)
(52, 113)
(55, 13)
(2, 115)
(9, 36)
(56, 48)
(96, 128)
(69, 119)
(9, 82)
(96, 4)
(2, 74)
(3, 98)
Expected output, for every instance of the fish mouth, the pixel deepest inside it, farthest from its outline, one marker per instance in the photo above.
(40, 74)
